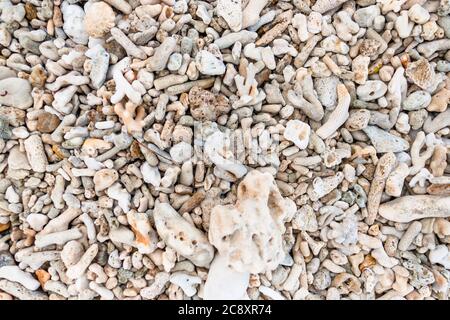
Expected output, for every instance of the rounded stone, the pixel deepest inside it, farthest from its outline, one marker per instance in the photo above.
(47, 122)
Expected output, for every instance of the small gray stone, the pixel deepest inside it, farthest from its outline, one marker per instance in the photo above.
(102, 255)
(322, 279)
(124, 275)
(29, 44)
(5, 130)
(443, 66)
(349, 197)
(6, 259)
(186, 45)
(175, 61)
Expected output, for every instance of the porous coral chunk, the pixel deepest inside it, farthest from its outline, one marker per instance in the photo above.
(250, 233)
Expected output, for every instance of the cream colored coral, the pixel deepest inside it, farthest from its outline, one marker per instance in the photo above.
(182, 236)
(99, 19)
(247, 88)
(338, 116)
(384, 167)
(131, 115)
(250, 233)
(440, 100)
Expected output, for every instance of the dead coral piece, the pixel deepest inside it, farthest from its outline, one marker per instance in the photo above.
(384, 167)
(421, 73)
(99, 19)
(204, 105)
(249, 234)
(182, 236)
(409, 208)
(132, 116)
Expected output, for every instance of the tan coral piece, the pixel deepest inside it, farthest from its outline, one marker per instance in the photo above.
(421, 73)
(99, 19)
(91, 146)
(250, 233)
(145, 236)
(438, 161)
(384, 167)
(284, 20)
(440, 101)
(42, 276)
(131, 115)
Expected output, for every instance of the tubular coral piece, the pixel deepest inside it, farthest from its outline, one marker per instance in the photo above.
(14, 273)
(417, 159)
(182, 236)
(382, 171)
(248, 89)
(397, 88)
(442, 120)
(123, 87)
(127, 44)
(427, 49)
(396, 179)
(409, 208)
(158, 61)
(338, 116)
(243, 36)
(307, 85)
(285, 19)
(61, 222)
(71, 78)
(121, 5)
(75, 271)
(295, 97)
(303, 55)
(59, 238)
(132, 116)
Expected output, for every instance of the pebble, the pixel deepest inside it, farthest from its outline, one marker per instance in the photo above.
(47, 122)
